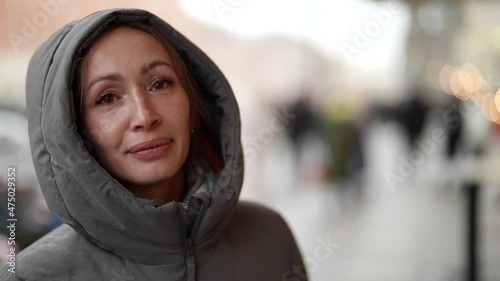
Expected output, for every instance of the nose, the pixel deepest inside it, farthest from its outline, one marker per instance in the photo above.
(144, 115)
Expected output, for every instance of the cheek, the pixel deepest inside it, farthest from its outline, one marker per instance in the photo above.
(103, 132)
(181, 116)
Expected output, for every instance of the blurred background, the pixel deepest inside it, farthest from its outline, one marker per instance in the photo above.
(371, 126)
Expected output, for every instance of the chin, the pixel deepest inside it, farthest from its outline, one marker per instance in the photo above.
(152, 176)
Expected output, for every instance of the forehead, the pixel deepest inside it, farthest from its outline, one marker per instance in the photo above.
(127, 45)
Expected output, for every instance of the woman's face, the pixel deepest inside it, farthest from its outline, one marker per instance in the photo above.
(135, 109)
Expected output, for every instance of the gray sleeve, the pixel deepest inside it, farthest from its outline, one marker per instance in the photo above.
(295, 270)
(5, 275)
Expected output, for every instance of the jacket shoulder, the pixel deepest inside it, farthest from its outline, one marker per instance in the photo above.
(257, 216)
(262, 240)
(256, 221)
(262, 227)
(6, 275)
(254, 208)
(51, 257)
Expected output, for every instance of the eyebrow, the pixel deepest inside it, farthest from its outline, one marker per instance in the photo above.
(112, 77)
(154, 64)
(115, 77)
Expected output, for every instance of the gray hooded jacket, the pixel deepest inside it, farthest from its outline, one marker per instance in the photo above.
(108, 233)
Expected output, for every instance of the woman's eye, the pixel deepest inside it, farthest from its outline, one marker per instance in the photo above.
(160, 84)
(106, 99)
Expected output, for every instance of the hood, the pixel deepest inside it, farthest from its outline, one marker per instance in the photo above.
(83, 194)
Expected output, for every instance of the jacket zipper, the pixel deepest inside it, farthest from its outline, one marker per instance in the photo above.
(189, 228)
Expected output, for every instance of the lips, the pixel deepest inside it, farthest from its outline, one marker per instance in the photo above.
(151, 148)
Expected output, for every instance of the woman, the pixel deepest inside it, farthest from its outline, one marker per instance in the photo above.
(135, 137)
